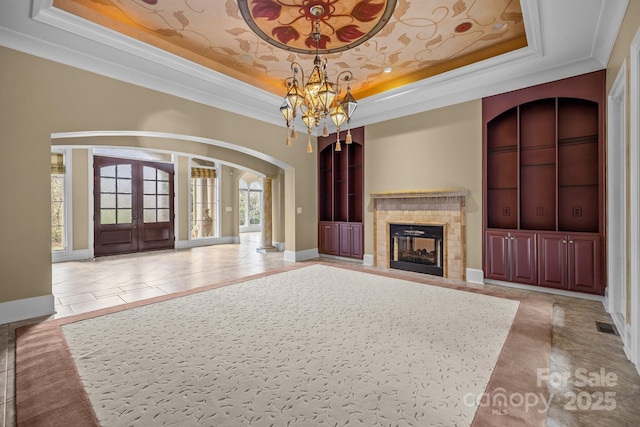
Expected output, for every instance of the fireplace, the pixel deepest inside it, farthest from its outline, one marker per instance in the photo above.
(418, 248)
(442, 207)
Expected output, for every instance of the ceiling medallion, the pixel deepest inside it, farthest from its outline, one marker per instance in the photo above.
(299, 28)
(289, 25)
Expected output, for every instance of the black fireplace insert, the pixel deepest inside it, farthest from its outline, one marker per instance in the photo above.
(418, 248)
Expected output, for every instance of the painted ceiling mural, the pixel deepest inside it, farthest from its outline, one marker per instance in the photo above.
(422, 38)
(343, 24)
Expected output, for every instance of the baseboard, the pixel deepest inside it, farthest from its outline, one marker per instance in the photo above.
(279, 246)
(545, 290)
(475, 275)
(27, 308)
(294, 256)
(367, 260)
(71, 256)
(342, 258)
(624, 332)
(196, 243)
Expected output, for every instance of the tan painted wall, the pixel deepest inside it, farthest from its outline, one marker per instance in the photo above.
(630, 26)
(80, 188)
(182, 180)
(435, 149)
(40, 97)
(620, 53)
(229, 222)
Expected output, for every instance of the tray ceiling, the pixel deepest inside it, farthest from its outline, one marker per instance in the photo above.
(421, 38)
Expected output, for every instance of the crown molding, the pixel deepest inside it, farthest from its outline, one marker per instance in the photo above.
(609, 23)
(558, 47)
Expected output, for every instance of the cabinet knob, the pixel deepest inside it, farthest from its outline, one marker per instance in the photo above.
(506, 237)
(511, 237)
(571, 241)
(564, 241)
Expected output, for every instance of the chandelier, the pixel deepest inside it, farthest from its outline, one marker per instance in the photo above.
(319, 98)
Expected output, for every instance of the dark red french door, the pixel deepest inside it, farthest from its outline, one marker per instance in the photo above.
(133, 202)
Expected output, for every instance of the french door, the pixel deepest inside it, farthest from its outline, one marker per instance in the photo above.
(133, 202)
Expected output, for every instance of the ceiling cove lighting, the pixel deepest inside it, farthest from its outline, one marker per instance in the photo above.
(319, 98)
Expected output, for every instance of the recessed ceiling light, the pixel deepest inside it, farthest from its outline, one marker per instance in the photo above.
(387, 69)
(499, 26)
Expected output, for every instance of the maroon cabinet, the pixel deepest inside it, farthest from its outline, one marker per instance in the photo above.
(351, 240)
(585, 261)
(544, 176)
(570, 262)
(340, 195)
(329, 238)
(511, 256)
(552, 268)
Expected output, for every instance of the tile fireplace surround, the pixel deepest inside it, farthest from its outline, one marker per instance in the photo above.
(425, 207)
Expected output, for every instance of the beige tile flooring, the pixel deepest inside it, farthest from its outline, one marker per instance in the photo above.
(577, 346)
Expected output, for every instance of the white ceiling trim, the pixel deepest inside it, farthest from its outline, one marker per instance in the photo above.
(559, 47)
(611, 16)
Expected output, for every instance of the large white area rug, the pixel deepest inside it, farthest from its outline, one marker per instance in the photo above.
(317, 345)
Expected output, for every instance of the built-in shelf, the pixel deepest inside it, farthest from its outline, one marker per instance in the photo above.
(340, 200)
(543, 182)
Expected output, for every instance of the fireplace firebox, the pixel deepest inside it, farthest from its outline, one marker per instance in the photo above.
(418, 248)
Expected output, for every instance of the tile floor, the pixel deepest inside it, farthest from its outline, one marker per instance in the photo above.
(578, 349)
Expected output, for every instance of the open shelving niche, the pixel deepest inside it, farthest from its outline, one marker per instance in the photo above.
(544, 185)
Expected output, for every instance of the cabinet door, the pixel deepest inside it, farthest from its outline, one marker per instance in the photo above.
(497, 255)
(584, 264)
(324, 237)
(328, 238)
(345, 239)
(334, 231)
(523, 258)
(357, 243)
(552, 261)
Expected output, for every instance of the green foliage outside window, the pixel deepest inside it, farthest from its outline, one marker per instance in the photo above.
(255, 210)
(243, 208)
(57, 213)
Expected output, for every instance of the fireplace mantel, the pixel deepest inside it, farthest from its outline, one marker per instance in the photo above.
(412, 194)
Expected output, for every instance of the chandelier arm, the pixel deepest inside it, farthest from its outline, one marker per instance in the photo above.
(346, 76)
(297, 68)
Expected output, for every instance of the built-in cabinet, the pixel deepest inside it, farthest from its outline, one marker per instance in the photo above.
(329, 238)
(544, 184)
(511, 256)
(570, 261)
(340, 195)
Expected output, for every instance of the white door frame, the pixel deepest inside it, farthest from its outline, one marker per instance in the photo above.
(634, 153)
(617, 203)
